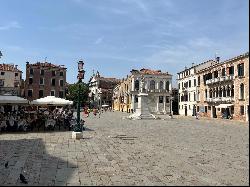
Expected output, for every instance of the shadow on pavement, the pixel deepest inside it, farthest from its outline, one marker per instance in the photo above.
(29, 157)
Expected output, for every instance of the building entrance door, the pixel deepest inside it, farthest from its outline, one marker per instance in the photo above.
(247, 118)
(214, 112)
(185, 110)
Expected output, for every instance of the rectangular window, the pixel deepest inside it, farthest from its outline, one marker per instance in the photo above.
(198, 109)
(2, 73)
(215, 74)
(167, 99)
(53, 73)
(61, 73)
(209, 107)
(223, 72)
(241, 110)
(194, 96)
(61, 94)
(241, 70)
(194, 82)
(160, 99)
(189, 83)
(53, 82)
(232, 109)
(199, 81)
(30, 80)
(42, 72)
(205, 109)
(1, 83)
(61, 82)
(136, 99)
(40, 93)
(179, 85)
(16, 74)
(31, 71)
(231, 70)
(189, 107)
(30, 93)
(52, 92)
(41, 81)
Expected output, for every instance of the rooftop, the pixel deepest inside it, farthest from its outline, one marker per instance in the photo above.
(46, 64)
(9, 67)
(149, 72)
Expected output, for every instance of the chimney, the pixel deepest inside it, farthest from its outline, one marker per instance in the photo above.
(16, 66)
(27, 63)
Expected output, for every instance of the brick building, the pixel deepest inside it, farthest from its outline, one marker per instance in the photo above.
(224, 89)
(10, 80)
(44, 79)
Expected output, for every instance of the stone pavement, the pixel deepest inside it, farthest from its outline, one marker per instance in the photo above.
(117, 151)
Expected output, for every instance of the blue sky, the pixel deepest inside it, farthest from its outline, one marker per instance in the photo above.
(115, 36)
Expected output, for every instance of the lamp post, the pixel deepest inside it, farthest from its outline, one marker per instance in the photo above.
(100, 99)
(77, 133)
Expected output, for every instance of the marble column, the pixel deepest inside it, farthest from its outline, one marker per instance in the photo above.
(157, 104)
(133, 102)
(164, 104)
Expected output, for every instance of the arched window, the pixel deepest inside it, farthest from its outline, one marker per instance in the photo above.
(161, 85)
(241, 91)
(232, 91)
(167, 86)
(137, 85)
(224, 92)
(152, 84)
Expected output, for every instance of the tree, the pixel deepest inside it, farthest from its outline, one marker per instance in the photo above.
(73, 93)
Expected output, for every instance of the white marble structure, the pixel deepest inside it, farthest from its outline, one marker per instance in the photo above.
(158, 86)
(142, 111)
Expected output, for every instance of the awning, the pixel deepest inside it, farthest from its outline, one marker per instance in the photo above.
(224, 105)
(11, 99)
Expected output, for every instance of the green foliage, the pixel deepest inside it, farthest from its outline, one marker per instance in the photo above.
(73, 93)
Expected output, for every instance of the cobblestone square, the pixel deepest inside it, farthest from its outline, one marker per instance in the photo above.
(117, 151)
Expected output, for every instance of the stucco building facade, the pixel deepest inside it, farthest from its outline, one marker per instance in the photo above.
(101, 90)
(10, 80)
(158, 85)
(224, 89)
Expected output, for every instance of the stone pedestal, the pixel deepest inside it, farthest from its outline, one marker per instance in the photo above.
(77, 135)
(142, 111)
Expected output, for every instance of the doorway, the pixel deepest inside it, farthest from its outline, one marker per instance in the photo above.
(214, 112)
(185, 110)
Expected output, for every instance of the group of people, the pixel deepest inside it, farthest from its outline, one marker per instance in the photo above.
(96, 111)
(23, 120)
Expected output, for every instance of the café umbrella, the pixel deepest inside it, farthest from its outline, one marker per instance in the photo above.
(12, 99)
(51, 100)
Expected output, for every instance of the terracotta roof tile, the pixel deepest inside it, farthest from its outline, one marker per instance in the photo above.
(8, 67)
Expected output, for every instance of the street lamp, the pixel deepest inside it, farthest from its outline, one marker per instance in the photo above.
(100, 99)
(79, 127)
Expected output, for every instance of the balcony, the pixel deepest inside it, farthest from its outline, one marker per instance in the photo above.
(220, 99)
(220, 79)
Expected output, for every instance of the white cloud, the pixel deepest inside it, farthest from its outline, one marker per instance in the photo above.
(99, 40)
(10, 25)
